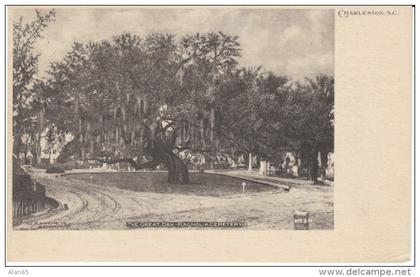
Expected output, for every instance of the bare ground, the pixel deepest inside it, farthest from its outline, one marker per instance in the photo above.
(92, 206)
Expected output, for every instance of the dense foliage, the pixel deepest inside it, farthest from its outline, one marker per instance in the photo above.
(146, 100)
(27, 104)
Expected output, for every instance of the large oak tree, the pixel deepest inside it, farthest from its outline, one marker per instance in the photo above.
(142, 100)
(146, 100)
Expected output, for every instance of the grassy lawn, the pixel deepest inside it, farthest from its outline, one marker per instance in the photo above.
(201, 184)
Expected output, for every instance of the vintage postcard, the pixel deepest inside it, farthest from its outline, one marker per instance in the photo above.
(209, 134)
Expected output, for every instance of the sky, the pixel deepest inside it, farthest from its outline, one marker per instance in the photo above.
(298, 43)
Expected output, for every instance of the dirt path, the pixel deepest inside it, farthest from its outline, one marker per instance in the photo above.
(93, 206)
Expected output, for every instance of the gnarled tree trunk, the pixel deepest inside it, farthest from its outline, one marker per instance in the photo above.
(177, 170)
(315, 166)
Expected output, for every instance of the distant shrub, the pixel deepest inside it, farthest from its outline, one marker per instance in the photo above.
(66, 166)
(55, 169)
(329, 178)
(42, 166)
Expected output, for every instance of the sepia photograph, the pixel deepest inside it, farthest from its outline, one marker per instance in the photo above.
(209, 136)
(172, 118)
